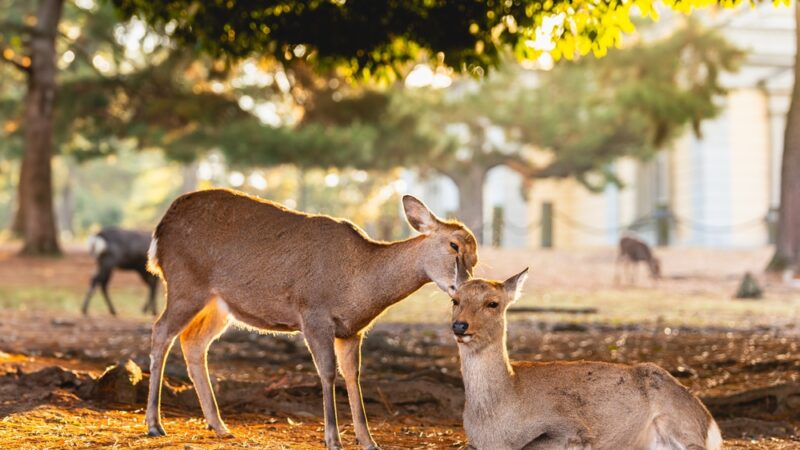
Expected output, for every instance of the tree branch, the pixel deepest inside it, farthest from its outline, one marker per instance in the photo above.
(18, 27)
(83, 52)
(16, 64)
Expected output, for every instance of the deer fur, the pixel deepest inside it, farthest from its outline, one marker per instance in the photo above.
(633, 251)
(226, 256)
(117, 249)
(564, 405)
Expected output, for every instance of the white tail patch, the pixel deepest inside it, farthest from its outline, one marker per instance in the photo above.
(97, 245)
(152, 257)
(713, 437)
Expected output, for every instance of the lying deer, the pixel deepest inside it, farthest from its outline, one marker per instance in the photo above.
(564, 405)
(114, 248)
(632, 251)
(225, 256)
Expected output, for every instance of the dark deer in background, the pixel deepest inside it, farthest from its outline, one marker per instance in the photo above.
(632, 251)
(114, 248)
(226, 256)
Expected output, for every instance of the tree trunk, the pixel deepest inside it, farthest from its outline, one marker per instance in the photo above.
(36, 180)
(787, 247)
(18, 224)
(470, 197)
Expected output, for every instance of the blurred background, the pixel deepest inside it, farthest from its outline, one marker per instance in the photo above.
(676, 138)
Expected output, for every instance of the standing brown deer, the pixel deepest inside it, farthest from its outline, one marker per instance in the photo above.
(227, 256)
(564, 405)
(632, 251)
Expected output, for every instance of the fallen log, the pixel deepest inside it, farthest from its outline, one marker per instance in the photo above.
(771, 401)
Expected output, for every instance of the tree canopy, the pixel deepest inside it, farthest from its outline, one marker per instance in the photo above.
(366, 38)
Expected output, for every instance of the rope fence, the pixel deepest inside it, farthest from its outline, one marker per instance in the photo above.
(660, 220)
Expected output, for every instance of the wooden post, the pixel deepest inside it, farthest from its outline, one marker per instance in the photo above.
(547, 225)
(497, 226)
(663, 217)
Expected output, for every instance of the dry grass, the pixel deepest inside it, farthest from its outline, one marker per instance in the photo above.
(697, 291)
(52, 427)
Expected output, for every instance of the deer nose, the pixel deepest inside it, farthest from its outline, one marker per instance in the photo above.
(460, 328)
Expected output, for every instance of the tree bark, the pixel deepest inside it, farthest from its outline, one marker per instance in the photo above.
(787, 247)
(18, 225)
(469, 181)
(36, 180)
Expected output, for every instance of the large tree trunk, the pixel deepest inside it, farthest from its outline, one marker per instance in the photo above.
(787, 247)
(470, 197)
(36, 183)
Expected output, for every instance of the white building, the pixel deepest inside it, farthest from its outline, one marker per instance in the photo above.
(720, 187)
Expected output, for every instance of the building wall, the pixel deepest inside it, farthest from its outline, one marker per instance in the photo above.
(720, 185)
(717, 185)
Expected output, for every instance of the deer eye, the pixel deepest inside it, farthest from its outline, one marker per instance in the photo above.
(492, 305)
(455, 302)
(454, 246)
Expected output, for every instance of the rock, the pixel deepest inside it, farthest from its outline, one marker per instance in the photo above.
(749, 288)
(52, 376)
(118, 384)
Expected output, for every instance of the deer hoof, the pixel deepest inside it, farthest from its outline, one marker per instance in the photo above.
(156, 431)
(222, 432)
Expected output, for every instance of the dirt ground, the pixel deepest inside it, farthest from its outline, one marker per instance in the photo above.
(743, 361)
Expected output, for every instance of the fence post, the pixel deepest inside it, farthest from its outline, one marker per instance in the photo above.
(772, 225)
(547, 225)
(663, 217)
(497, 226)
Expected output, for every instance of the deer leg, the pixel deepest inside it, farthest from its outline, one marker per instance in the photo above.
(206, 326)
(106, 297)
(152, 285)
(102, 278)
(151, 299)
(348, 353)
(88, 296)
(177, 314)
(319, 339)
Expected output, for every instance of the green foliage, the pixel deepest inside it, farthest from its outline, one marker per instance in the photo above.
(374, 38)
(584, 113)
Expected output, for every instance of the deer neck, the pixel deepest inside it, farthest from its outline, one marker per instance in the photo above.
(488, 377)
(395, 270)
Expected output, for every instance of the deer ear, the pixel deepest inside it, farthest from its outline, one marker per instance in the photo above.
(418, 215)
(513, 285)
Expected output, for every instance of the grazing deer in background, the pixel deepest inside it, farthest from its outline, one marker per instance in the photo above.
(226, 256)
(114, 248)
(564, 405)
(632, 251)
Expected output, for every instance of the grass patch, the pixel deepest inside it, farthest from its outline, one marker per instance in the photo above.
(620, 307)
(648, 307)
(127, 301)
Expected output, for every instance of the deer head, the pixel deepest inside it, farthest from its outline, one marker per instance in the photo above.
(450, 250)
(479, 308)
